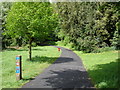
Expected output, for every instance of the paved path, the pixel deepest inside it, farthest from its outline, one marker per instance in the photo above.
(66, 72)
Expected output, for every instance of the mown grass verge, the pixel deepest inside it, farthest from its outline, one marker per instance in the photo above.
(42, 57)
(102, 67)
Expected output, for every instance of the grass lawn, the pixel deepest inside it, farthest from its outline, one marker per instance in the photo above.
(102, 67)
(42, 57)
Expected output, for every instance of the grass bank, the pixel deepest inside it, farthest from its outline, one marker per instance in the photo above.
(102, 67)
(42, 57)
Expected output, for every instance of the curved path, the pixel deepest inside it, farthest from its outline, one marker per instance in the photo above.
(66, 72)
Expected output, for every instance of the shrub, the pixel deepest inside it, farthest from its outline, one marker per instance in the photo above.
(34, 44)
(106, 49)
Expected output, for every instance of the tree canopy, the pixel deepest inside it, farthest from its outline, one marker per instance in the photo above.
(31, 20)
(89, 25)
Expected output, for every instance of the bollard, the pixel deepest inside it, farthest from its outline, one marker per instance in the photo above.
(58, 49)
(18, 67)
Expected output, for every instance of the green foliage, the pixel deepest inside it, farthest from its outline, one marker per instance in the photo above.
(4, 8)
(102, 85)
(107, 22)
(30, 21)
(75, 24)
(116, 38)
(34, 44)
(106, 49)
(88, 25)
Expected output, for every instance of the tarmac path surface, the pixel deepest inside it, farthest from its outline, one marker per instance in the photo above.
(66, 72)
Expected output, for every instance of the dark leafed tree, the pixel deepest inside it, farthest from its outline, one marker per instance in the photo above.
(77, 20)
(88, 25)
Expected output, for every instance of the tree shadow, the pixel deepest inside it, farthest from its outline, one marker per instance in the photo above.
(26, 79)
(47, 43)
(38, 49)
(52, 43)
(69, 79)
(63, 60)
(106, 75)
(44, 59)
(14, 49)
(68, 49)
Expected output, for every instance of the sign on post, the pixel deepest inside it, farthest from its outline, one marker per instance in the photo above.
(18, 67)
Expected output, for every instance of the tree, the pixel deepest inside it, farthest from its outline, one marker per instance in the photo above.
(89, 25)
(30, 20)
(4, 8)
(77, 22)
(106, 22)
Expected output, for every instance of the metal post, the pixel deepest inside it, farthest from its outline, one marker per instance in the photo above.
(18, 67)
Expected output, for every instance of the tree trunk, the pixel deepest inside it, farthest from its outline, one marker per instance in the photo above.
(30, 52)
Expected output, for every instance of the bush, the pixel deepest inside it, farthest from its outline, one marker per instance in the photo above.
(106, 49)
(13, 44)
(34, 44)
(26, 46)
(102, 85)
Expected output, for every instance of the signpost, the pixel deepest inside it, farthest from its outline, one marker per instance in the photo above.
(18, 68)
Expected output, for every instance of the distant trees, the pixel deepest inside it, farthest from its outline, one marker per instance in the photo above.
(110, 16)
(30, 21)
(89, 25)
(4, 8)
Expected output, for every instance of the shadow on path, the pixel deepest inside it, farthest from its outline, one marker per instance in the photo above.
(69, 79)
(26, 79)
(43, 59)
